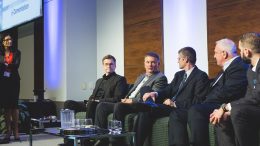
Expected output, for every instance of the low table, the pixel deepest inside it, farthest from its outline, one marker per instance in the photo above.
(45, 123)
(79, 138)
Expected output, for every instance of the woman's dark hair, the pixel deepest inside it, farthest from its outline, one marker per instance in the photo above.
(2, 36)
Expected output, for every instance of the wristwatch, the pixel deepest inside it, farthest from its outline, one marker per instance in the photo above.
(223, 106)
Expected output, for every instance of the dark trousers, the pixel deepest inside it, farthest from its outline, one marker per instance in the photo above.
(91, 109)
(178, 135)
(77, 106)
(224, 133)
(102, 111)
(245, 120)
(198, 120)
(122, 109)
(145, 121)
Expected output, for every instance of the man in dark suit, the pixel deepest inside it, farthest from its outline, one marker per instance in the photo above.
(227, 86)
(243, 126)
(110, 88)
(152, 79)
(186, 89)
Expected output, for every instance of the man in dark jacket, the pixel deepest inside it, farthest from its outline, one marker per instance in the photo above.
(187, 88)
(228, 86)
(110, 88)
(243, 128)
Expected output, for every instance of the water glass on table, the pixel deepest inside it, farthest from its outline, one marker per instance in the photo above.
(89, 123)
(83, 123)
(114, 126)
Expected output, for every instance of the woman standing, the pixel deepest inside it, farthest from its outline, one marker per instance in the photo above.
(10, 86)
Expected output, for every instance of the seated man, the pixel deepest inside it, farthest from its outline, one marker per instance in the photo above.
(152, 78)
(228, 86)
(187, 88)
(110, 88)
(241, 117)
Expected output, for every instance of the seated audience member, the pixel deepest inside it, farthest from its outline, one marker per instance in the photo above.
(152, 79)
(237, 122)
(110, 88)
(187, 88)
(229, 85)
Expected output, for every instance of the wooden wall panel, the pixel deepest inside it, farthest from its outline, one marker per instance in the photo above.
(142, 34)
(230, 18)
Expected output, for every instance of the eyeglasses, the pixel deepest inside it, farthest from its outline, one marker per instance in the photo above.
(9, 39)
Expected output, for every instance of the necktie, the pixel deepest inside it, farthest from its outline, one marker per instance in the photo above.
(183, 81)
(140, 85)
(180, 86)
(217, 78)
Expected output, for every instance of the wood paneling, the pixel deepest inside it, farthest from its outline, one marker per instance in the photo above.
(142, 34)
(143, 29)
(230, 18)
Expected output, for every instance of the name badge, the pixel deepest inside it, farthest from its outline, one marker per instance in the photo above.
(7, 74)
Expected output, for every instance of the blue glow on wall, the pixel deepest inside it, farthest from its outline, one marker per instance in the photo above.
(53, 43)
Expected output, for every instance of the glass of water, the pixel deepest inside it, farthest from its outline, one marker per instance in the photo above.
(89, 123)
(83, 123)
(114, 126)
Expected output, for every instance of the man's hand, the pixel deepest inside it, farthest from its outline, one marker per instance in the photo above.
(216, 116)
(226, 115)
(169, 102)
(150, 94)
(127, 100)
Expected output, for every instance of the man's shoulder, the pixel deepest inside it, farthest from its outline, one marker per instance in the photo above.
(117, 77)
(199, 71)
(180, 72)
(160, 74)
(238, 63)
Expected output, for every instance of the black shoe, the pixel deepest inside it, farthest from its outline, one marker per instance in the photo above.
(5, 141)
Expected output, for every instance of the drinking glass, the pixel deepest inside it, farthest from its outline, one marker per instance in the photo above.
(89, 123)
(118, 127)
(114, 126)
(79, 123)
(83, 123)
(110, 126)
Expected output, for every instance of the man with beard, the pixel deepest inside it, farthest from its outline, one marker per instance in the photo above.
(237, 122)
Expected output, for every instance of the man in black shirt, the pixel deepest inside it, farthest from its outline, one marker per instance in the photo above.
(110, 88)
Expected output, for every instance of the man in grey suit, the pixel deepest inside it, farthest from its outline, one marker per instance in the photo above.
(151, 80)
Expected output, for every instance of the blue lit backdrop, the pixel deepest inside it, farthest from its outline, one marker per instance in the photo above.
(53, 42)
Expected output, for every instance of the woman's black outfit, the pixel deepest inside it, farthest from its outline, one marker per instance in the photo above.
(9, 80)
